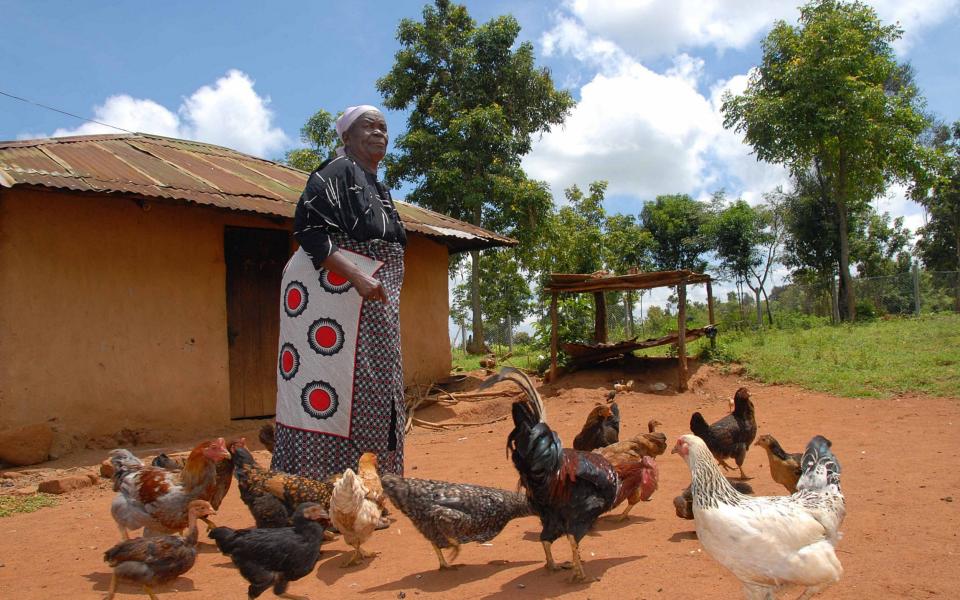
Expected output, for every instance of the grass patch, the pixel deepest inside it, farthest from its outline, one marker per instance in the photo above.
(524, 357)
(12, 505)
(877, 359)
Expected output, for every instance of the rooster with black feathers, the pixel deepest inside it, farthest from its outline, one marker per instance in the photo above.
(568, 489)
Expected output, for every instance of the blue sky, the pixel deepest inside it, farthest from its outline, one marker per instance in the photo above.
(647, 74)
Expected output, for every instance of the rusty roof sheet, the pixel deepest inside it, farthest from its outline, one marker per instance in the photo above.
(151, 166)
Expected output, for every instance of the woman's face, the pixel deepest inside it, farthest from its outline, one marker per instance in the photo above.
(367, 138)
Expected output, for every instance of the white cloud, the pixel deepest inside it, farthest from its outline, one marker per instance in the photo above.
(651, 28)
(647, 133)
(228, 113)
(128, 113)
(898, 203)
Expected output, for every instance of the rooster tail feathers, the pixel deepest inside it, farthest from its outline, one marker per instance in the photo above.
(225, 537)
(820, 468)
(698, 425)
(523, 382)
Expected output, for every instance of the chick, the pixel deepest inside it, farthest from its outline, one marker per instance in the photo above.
(784, 468)
(157, 560)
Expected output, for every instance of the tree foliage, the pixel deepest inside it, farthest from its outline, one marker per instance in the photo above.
(829, 97)
(677, 227)
(476, 98)
(320, 137)
(939, 245)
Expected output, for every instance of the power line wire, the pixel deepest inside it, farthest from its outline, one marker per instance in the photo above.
(63, 112)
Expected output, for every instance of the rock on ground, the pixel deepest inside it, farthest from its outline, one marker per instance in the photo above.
(26, 445)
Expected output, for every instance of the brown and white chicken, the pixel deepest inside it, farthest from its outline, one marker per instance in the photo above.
(354, 514)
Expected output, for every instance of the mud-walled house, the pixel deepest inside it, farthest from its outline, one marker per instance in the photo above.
(140, 282)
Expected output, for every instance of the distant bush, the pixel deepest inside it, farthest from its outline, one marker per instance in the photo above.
(722, 353)
(866, 311)
(522, 338)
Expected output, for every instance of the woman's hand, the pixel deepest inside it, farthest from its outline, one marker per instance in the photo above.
(369, 288)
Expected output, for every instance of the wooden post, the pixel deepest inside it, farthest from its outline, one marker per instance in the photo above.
(599, 318)
(554, 334)
(682, 337)
(713, 339)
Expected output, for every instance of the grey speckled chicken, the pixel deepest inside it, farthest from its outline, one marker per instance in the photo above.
(450, 514)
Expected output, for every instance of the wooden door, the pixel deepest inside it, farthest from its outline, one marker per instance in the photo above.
(255, 259)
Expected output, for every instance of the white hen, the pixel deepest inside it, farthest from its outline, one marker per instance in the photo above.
(353, 514)
(774, 541)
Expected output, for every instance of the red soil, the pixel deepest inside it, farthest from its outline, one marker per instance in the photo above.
(900, 478)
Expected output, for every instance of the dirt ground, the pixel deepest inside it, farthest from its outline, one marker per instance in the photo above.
(900, 479)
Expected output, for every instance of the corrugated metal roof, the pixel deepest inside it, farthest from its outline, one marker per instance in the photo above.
(152, 166)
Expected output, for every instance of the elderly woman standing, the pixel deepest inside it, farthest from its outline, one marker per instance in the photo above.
(339, 381)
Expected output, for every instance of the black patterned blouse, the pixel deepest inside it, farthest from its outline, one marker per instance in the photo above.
(341, 196)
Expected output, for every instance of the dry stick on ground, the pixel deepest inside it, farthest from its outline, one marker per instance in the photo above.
(452, 424)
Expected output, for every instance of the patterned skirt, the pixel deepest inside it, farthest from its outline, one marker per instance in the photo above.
(339, 371)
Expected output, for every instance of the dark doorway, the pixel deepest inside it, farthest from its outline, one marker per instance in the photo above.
(255, 259)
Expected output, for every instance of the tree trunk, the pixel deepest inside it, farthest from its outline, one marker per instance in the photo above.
(847, 293)
(766, 300)
(628, 304)
(834, 302)
(682, 337)
(756, 294)
(743, 317)
(599, 318)
(478, 346)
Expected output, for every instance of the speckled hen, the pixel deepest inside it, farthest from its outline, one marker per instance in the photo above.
(451, 514)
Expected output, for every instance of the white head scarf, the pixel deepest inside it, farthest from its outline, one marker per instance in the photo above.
(351, 114)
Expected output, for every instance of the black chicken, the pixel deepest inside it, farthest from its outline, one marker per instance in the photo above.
(450, 514)
(275, 557)
(731, 436)
(268, 511)
(567, 489)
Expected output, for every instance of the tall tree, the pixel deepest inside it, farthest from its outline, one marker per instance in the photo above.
(677, 225)
(475, 98)
(572, 241)
(939, 244)
(829, 93)
(627, 248)
(746, 240)
(319, 135)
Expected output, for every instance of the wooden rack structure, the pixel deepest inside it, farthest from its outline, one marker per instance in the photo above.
(597, 284)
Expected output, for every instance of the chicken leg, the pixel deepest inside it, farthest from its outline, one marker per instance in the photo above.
(631, 502)
(551, 564)
(150, 593)
(113, 587)
(812, 591)
(578, 575)
(443, 560)
(358, 555)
